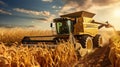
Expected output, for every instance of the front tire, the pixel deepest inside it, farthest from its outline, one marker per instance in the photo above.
(86, 42)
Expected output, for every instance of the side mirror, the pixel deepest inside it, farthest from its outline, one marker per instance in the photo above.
(51, 24)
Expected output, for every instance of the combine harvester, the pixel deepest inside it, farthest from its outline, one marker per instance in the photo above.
(78, 27)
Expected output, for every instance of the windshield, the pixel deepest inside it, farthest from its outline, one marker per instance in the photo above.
(64, 27)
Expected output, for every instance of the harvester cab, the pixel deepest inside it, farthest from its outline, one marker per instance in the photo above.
(63, 25)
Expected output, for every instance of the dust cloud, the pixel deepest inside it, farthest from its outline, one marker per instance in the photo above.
(107, 34)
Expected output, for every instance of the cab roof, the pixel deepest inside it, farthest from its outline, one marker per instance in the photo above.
(79, 14)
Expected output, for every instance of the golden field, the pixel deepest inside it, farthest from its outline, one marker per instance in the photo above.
(16, 34)
(62, 56)
(114, 54)
(20, 56)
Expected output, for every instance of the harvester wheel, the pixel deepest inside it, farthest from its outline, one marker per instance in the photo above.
(86, 42)
(97, 40)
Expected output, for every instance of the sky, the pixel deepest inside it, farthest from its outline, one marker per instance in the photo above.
(39, 14)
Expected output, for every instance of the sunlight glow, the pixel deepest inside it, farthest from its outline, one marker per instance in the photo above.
(117, 13)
